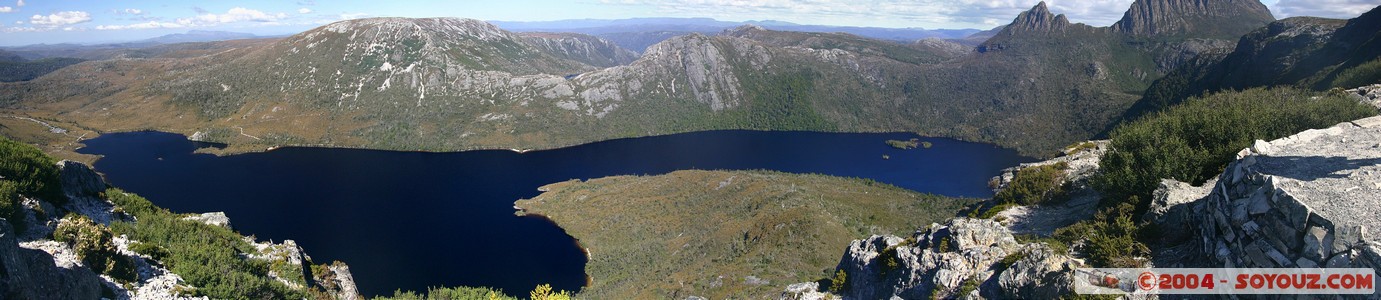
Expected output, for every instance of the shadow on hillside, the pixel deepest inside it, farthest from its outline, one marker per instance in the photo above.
(1310, 168)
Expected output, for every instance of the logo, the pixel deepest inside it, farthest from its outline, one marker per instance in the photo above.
(1147, 281)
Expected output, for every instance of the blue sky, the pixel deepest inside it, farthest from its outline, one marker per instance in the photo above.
(64, 21)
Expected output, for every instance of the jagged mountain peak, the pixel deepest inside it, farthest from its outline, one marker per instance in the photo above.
(1210, 18)
(1039, 19)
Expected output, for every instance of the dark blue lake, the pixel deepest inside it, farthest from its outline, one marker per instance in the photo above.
(410, 220)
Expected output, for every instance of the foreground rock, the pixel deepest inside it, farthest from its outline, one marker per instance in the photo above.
(32, 266)
(965, 258)
(1082, 200)
(1308, 200)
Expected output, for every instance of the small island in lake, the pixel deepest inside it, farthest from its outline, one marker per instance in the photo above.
(908, 144)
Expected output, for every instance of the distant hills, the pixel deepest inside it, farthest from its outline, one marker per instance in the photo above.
(1036, 85)
(197, 36)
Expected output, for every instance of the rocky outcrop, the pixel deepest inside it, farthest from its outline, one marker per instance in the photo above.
(211, 218)
(963, 258)
(34, 274)
(1082, 200)
(1170, 17)
(1368, 94)
(83, 187)
(583, 48)
(1302, 201)
(1039, 19)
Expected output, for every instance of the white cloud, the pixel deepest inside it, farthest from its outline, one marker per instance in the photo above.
(234, 15)
(5, 9)
(304, 10)
(133, 11)
(147, 25)
(1340, 9)
(61, 18)
(21, 3)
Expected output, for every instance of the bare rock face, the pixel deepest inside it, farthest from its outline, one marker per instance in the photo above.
(1307, 200)
(1166, 17)
(1039, 19)
(583, 48)
(958, 259)
(83, 188)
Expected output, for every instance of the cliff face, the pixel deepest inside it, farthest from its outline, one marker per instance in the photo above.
(1217, 18)
(1301, 51)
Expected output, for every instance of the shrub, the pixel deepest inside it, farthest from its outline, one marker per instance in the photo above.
(94, 246)
(1034, 185)
(153, 251)
(1364, 74)
(454, 293)
(544, 292)
(208, 257)
(1110, 238)
(840, 281)
(34, 173)
(10, 207)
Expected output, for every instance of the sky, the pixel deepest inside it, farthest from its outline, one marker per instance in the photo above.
(24, 22)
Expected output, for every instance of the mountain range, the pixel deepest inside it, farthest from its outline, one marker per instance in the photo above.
(455, 84)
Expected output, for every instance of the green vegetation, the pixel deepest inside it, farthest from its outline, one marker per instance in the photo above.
(1110, 239)
(678, 233)
(969, 286)
(10, 207)
(542, 292)
(839, 281)
(95, 247)
(211, 258)
(1031, 186)
(33, 173)
(904, 145)
(1035, 185)
(1194, 141)
(1190, 142)
(456, 293)
(1080, 147)
(11, 71)
(1364, 74)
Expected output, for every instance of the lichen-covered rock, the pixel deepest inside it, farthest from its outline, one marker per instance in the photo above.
(1041, 273)
(941, 260)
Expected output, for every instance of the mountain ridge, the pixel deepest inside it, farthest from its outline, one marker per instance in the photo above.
(459, 84)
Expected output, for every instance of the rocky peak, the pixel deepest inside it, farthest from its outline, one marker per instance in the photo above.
(1206, 18)
(1039, 19)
